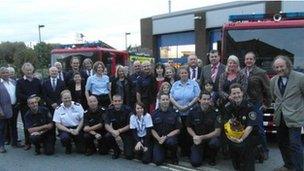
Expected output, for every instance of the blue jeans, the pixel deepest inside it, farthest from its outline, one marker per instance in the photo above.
(2, 126)
(290, 145)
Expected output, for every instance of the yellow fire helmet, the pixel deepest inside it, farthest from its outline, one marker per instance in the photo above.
(234, 129)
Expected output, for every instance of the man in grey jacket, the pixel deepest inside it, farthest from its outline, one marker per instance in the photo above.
(5, 109)
(287, 89)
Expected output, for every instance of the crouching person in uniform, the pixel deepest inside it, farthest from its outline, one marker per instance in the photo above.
(93, 127)
(38, 122)
(68, 117)
(203, 124)
(166, 127)
(141, 124)
(240, 126)
(117, 123)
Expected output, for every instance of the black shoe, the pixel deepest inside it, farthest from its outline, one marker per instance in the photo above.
(116, 154)
(37, 151)
(89, 152)
(212, 162)
(68, 150)
(17, 145)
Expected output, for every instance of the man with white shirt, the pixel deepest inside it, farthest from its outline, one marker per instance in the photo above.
(61, 75)
(193, 70)
(10, 88)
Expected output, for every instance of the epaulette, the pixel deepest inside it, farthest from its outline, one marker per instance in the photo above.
(58, 106)
(227, 104)
(77, 104)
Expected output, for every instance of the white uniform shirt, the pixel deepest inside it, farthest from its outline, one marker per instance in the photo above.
(140, 124)
(68, 116)
(11, 89)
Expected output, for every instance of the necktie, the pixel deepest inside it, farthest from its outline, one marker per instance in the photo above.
(213, 75)
(61, 76)
(193, 73)
(282, 86)
(54, 84)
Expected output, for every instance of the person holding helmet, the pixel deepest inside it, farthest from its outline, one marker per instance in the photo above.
(240, 129)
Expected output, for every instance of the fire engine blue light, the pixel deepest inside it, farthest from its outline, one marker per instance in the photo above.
(294, 15)
(256, 17)
(251, 17)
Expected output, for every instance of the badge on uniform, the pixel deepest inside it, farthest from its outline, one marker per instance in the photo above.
(219, 119)
(252, 115)
(244, 117)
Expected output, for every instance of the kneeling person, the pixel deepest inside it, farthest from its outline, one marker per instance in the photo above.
(117, 123)
(38, 122)
(166, 127)
(93, 127)
(240, 126)
(69, 121)
(141, 124)
(203, 124)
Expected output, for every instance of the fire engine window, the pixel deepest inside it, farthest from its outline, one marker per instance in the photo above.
(267, 43)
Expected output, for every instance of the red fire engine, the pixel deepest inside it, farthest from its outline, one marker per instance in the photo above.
(268, 36)
(98, 51)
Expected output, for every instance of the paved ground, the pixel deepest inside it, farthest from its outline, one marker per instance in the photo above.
(18, 159)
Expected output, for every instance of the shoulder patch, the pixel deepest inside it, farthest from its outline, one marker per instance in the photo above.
(58, 107)
(252, 115)
(77, 104)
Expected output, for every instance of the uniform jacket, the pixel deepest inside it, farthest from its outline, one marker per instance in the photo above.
(291, 103)
(5, 102)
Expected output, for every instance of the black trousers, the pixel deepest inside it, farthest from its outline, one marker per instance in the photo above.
(67, 138)
(184, 139)
(128, 144)
(242, 155)
(46, 140)
(145, 156)
(89, 143)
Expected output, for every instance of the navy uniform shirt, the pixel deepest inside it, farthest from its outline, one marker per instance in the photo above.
(92, 118)
(37, 119)
(146, 87)
(244, 113)
(203, 122)
(165, 121)
(118, 119)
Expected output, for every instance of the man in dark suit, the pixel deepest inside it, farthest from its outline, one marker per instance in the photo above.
(212, 71)
(287, 89)
(75, 65)
(61, 73)
(193, 69)
(52, 88)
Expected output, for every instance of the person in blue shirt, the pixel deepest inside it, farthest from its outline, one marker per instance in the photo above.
(99, 85)
(183, 95)
(141, 124)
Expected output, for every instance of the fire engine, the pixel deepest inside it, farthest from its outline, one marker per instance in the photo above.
(268, 36)
(96, 51)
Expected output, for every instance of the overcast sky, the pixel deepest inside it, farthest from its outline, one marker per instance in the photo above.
(105, 20)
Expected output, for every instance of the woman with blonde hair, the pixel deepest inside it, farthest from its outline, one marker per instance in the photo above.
(231, 75)
(121, 85)
(99, 85)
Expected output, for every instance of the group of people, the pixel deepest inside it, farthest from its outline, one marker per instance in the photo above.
(157, 115)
